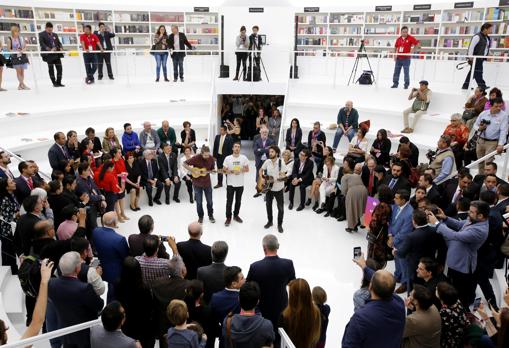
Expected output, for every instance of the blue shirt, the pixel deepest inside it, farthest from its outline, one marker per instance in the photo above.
(447, 165)
(497, 129)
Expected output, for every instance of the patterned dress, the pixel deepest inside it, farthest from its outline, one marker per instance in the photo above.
(9, 207)
(454, 324)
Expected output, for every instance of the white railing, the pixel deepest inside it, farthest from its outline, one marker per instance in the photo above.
(53, 334)
(286, 342)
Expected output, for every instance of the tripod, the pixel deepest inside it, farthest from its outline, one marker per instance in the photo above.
(254, 61)
(361, 54)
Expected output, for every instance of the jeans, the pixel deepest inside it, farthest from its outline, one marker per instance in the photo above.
(478, 70)
(161, 59)
(55, 64)
(90, 64)
(198, 196)
(405, 64)
(178, 65)
(339, 134)
(278, 195)
(104, 58)
(230, 192)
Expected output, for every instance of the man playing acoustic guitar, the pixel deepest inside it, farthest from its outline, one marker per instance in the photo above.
(200, 167)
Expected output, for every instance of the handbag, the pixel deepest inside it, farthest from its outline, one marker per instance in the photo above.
(468, 115)
(19, 60)
(419, 105)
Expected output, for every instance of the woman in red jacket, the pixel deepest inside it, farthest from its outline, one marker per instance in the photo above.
(120, 171)
(108, 182)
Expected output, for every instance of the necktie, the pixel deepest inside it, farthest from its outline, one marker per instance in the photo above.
(150, 174)
(392, 183)
(397, 213)
(65, 152)
(30, 183)
(221, 142)
(169, 166)
(457, 195)
(301, 167)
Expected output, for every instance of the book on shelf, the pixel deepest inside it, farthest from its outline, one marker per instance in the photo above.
(496, 13)
(346, 30)
(389, 30)
(461, 30)
(201, 30)
(24, 27)
(424, 31)
(502, 42)
(382, 18)
(428, 42)
(201, 19)
(204, 41)
(313, 30)
(456, 43)
(500, 28)
(379, 42)
(131, 17)
(139, 28)
(336, 18)
(312, 19)
(133, 40)
(16, 13)
(462, 16)
(55, 15)
(166, 18)
(307, 41)
(421, 18)
(94, 16)
(344, 42)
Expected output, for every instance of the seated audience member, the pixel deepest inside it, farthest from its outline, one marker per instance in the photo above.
(293, 137)
(348, 124)
(414, 150)
(324, 186)
(194, 253)
(301, 318)
(316, 142)
(71, 214)
(109, 335)
(302, 176)
(463, 239)
(458, 133)
(378, 230)
(248, 329)
(474, 106)
(168, 172)
(110, 140)
(212, 275)
(130, 141)
(188, 136)
(167, 135)
(443, 161)
(132, 181)
(369, 177)
(180, 335)
(422, 327)
(165, 290)
(149, 177)
(148, 138)
(111, 248)
(384, 313)
(381, 148)
(422, 98)
(108, 182)
(146, 227)
(396, 181)
(75, 302)
(358, 147)
(153, 267)
(88, 274)
(320, 299)
(362, 295)
(356, 195)
(90, 136)
(137, 301)
(452, 314)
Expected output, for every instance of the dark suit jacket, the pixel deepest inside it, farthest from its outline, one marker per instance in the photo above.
(24, 233)
(365, 181)
(144, 170)
(307, 172)
(57, 158)
(165, 290)
(22, 189)
(3, 174)
(433, 195)
(195, 255)
(222, 303)
(272, 275)
(212, 277)
(500, 206)
(181, 44)
(46, 44)
(112, 249)
(164, 167)
(402, 183)
(319, 148)
(479, 180)
(227, 146)
(259, 150)
(421, 242)
(136, 246)
(255, 41)
(75, 302)
(105, 39)
(298, 138)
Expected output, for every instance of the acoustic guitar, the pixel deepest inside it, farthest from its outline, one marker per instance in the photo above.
(199, 172)
(266, 182)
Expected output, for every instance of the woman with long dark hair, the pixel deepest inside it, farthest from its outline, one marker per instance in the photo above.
(293, 136)
(9, 213)
(301, 318)
(120, 171)
(378, 230)
(161, 44)
(188, 136)
(107, 181)
(381, 148)
(132, 185)
(241, 48)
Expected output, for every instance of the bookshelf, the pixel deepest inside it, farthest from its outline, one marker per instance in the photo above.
(24, 17)
(444, 32)
(202, 30)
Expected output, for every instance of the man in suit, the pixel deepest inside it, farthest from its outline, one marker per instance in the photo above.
(74, 301)
(421, 242)
(272, 275)
(432, 193)
(261, 150)
(194, 253)
(369, 177)
(489, 168)
(222, 147)
(227, 300)
(5, 160)
(212, 275)
(49, 41)
(146, 227)
(396, 181)
(316, 143)
(165, 290)
(104, 36)
(399, 229)
(109, 334)
(302, 176)
(111, 248)
(24, 233)
(490, 183)
(177, 42)
(149, 177)
(503, 198)
(25, 182)
(463, 239)
(168, 172)
(58, 154)
(453, 190)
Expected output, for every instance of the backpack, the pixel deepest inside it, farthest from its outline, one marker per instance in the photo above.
(366, 78)
(29, 275)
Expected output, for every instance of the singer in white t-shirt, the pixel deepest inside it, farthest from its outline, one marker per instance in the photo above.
(234, 166)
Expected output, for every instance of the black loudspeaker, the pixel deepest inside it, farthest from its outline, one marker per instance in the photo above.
(294, 70)
(224, 70)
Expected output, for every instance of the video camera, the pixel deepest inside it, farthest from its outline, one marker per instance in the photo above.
(430, 155)
(485, 122)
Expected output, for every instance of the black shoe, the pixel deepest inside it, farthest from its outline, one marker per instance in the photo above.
(133, 209)
(406, 87)
(300, 207)
(218, 186)
(350, 230)
(394, 86)
(157, 80)
(191, 200)
(55, 84)
(308, 203)
(181, 79)
(290, 207)
(211, 219)
(111, 77)
(138, 208)
(99, 78)
(464, 87)
(315, 206)
(327, 215)
(319, 210)
(200, 220)
(236, 78)
(166, 80)
(341, 218)
(174, 80)
(176, 199)
(268, 225)
(257, 194)
(280, 228)
(150, 203)
(158, 202)
(167, 201)
(238, 219)
(59, 84)
(88, 81)
(228, 222)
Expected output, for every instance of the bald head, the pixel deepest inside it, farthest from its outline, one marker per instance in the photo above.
(146, 126)
(358, 168)
(349, 104)
(382, 285)
(165, 125)
(110, 219)
(195, 230)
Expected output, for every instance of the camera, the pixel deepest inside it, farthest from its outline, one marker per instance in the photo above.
(485, 122)
(163, 238)
(431, 155)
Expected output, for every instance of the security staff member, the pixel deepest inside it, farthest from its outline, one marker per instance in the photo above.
(479, 46)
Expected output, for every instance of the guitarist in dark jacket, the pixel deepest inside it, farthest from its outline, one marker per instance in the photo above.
(104, 36)
(49, 41)
(302, 176)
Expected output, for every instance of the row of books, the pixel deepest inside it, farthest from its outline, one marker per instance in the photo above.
(131, 29)
(5, 26)
(383, 18)
(496, 13)
(379, 42)
(16, 13)
(31, 39)
(204, 41)
(202, 30)
(166, 18)
(133, 40)
(456, 43)
(421, 18)
(461, 30)
(346, 42)
(68, 39)
(346, 18)
(462, 16)
(311, 41)
(131, 17)
(55, 15)
(500, 42)
(312, 19)
(390, 30)
(423, 31)
(94, 16)
(344, 30)
(312, 30)
(202, 18)
(500, 28)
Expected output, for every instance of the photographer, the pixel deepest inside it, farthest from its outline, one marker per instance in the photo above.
(422, 98)
(241, 47)
(255, 44)
(492, 126)
(443, 160)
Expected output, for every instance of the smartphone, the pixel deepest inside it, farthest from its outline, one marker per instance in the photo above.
(94, 263)
(164, 238)
(477, 303)
(357, 251)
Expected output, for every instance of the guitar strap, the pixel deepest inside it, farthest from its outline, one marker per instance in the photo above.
(229, 329)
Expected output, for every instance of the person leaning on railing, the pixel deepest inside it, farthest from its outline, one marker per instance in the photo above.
(49, 41)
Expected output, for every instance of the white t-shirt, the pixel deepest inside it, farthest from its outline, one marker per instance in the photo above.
(235, 163)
